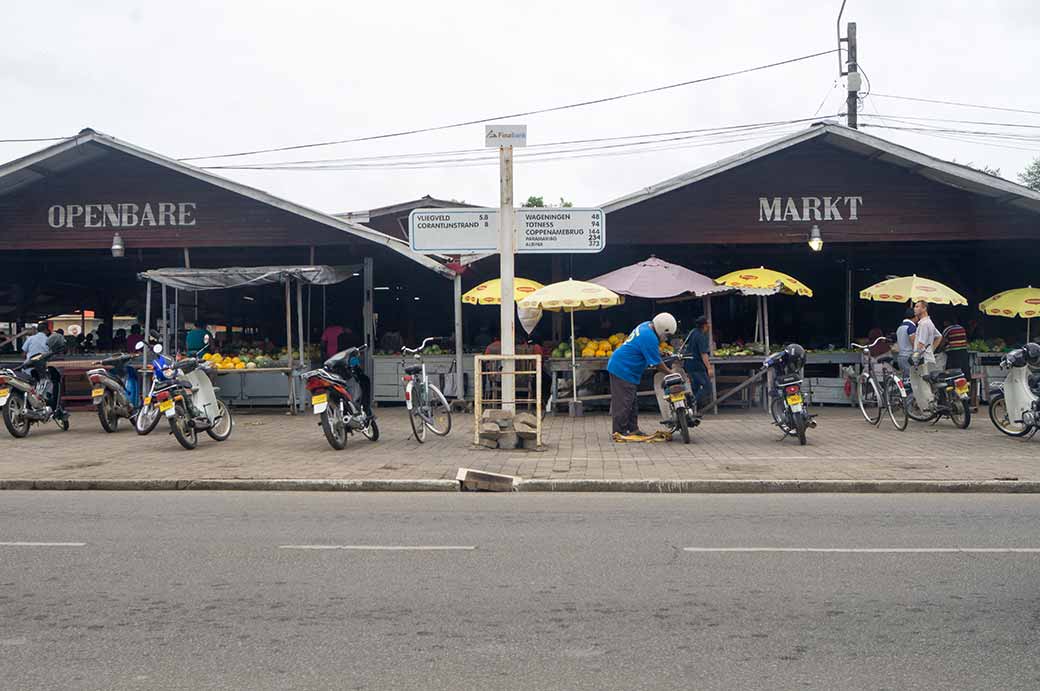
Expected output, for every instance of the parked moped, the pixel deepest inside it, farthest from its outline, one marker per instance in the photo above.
(937, 394)
(1014, 405)
(115, 391)
(31, 394)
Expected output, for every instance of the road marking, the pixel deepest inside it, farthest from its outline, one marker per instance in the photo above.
(43, 544)
(875, 550)
(386, 548)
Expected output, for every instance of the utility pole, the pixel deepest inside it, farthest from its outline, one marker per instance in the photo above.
(852, 101)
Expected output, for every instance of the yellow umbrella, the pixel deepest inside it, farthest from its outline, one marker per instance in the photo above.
(765, 278)
(907, 288)
(571, 296)
(490, 292)
(1020, 302)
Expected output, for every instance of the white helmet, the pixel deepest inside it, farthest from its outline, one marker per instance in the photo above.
(664, 325)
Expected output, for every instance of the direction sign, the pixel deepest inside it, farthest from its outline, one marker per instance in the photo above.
(463, 231)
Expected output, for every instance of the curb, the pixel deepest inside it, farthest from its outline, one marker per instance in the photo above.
(629, 486)
(783, 486)
(260, 485)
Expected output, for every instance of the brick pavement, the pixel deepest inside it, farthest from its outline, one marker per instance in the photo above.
(730, 446)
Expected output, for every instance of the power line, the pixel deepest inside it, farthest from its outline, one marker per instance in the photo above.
(707, 131)
(962, 122)
(956, 103)
(580, 104)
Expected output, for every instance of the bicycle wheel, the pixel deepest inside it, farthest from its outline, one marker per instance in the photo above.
(896, 404)
(998, 415)
(415, 415)
(869, 399)
(438, 413)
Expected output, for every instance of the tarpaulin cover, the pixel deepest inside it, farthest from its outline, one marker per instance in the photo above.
(243, 276)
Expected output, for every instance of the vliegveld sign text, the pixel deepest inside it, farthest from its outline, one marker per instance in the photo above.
(122, 215)
(787, 209)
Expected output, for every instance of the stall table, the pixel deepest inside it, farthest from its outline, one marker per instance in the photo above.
(387, 386)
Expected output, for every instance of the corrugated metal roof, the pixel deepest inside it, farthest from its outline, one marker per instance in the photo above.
(947, 173)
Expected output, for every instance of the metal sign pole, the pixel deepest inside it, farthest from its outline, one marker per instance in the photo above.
(506, 245)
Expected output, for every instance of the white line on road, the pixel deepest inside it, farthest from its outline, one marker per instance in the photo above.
(42, 544)
(875, 550)
(386, 548)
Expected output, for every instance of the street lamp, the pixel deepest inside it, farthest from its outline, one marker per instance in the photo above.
(815, 239)
(118, 248)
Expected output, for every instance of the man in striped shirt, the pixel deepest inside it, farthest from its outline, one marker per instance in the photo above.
(955, 344)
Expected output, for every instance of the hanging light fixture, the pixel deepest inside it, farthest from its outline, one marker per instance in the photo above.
(118, 248)
(815, 239)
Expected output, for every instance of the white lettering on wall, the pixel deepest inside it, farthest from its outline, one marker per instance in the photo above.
(807, 209)
(123, 215)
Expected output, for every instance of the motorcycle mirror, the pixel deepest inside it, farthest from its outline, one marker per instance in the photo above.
(205, 339)
(139, 346)
(157, 348)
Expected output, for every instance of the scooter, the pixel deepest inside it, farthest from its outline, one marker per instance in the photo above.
(336, 396)
(148, 416)
(787, 406)
(1014, 405)
(937, 394)
(31, 394)
(681, 402)
(115, 391)
(189, 401)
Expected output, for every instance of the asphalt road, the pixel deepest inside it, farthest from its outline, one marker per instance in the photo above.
(225, 590)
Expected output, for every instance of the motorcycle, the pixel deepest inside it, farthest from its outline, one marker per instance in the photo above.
(1014, 405)
(115, 391)
(31, 394)
(936, 395)
(681, 402)
(336, 396)
(189, 401)
(787, 406)
(148, 416)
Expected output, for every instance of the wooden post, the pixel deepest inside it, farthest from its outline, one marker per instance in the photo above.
(288, 345)
(299, 320)
(848, 306)
(165, 322)
(478, 396)
(852, 100)
(711, 348)
(147, 328)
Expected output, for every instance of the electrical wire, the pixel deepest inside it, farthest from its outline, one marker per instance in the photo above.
(478, 121)
(656, 137)
(964, 122)
(956, 103)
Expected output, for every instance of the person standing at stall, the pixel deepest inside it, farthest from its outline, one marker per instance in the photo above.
(37, 343)
(927, 337)
(905, 340)
(642, 349)
(695, 354)
(955, 345)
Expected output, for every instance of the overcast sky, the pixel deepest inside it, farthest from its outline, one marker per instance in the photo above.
(194, 78)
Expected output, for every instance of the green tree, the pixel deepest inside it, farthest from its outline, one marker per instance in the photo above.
(982, 169)
(564, 204)
(1030, 177)
(534, 202)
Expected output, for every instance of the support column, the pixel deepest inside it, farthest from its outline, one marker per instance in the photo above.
(460, 378)
(299, 321)
(147, 328)
(368, 316)
(165, 321)
(288, 345)
(848, 306)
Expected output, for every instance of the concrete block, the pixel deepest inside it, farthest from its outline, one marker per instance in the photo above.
(489, 443)
(496, 414)
(489, 430)
(509, 440)
(525, 419)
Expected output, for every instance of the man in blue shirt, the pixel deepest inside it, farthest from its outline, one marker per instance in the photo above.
(905, 340)
(37, 343)
(626, 367)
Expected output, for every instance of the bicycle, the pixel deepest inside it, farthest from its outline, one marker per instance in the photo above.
(427, 406)
(890, 395)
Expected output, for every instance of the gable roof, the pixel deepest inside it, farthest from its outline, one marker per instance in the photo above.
(952, 174)
(90, 145)
(425, 202)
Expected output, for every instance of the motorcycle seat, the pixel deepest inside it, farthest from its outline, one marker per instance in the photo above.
(672, 380)
(944, 375)
(117, 360)
(787, 379)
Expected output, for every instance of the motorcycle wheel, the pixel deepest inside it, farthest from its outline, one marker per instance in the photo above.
(998, 415)
(221, 430)
(779, 413)
(14, 415)
(684, 425)
(896, 405)
(960, 413)
(800, 423)
(180, 425)
(371, 431)
(915, 412)
(106, 412)
(146, 419)
(333, 426)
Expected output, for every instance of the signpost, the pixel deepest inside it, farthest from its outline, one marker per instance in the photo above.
(545, 230)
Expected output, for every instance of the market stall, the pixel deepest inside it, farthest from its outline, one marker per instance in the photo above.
(252, 375)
